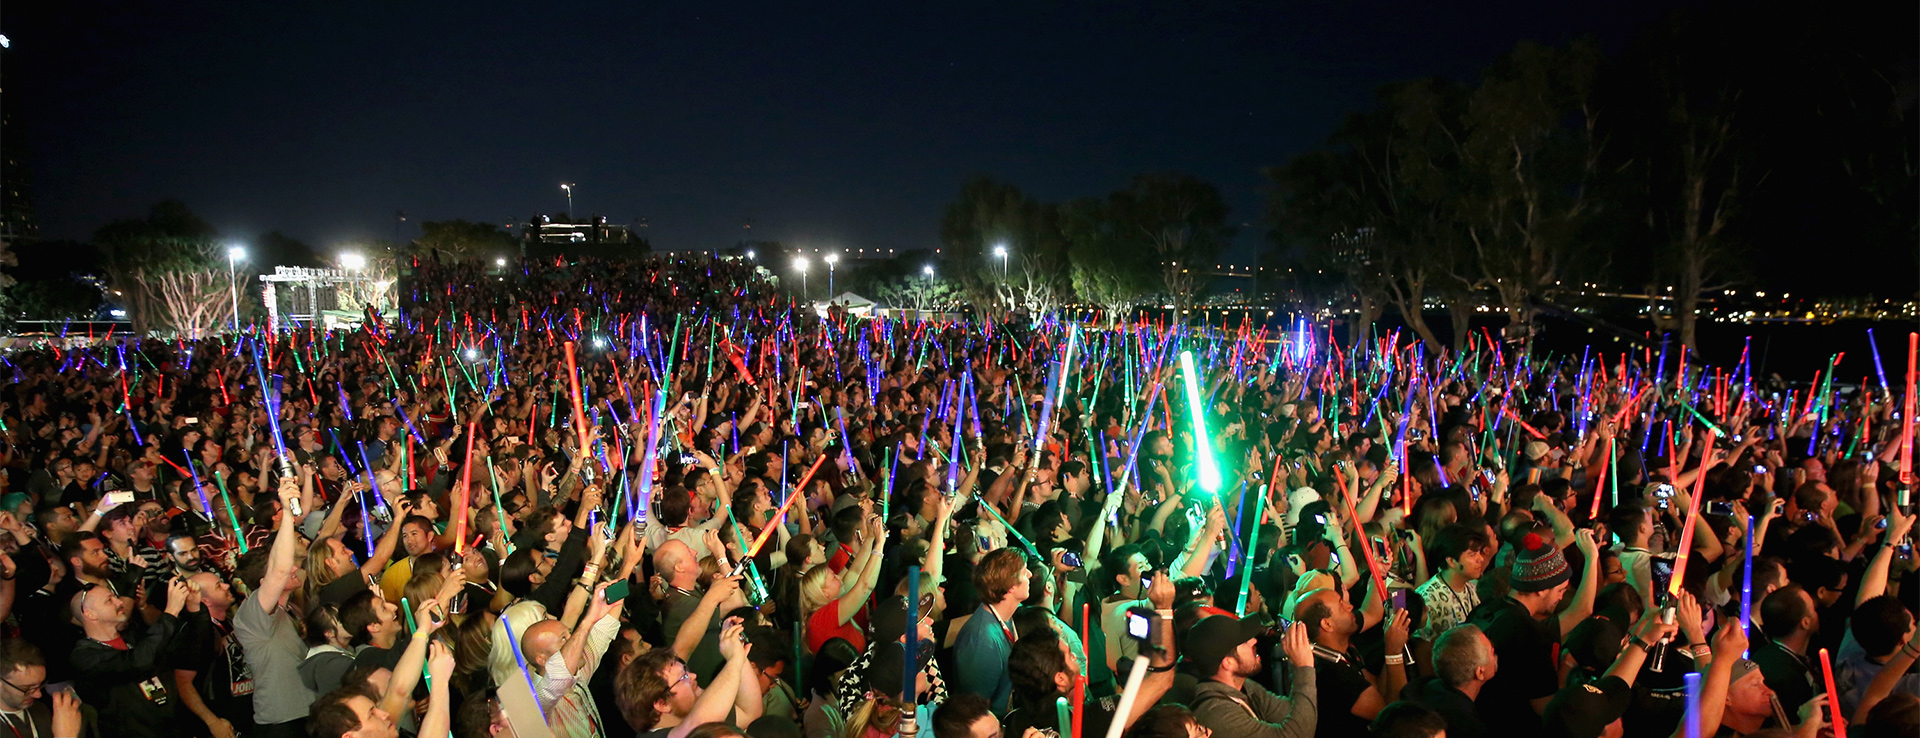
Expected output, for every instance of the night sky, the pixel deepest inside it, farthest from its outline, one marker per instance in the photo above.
(850, 127)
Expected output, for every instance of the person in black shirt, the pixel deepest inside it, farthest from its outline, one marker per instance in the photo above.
(1463, 661)
(1789, 619)
(1524, 629)
(209, 670)
(1349, 696)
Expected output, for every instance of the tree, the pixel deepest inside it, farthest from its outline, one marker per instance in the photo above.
(1107, 268)
(1181, 221)
(990, 215)
(462, 240)
(136, 251)
(919, 293)
(1525, 155)
(189, 301)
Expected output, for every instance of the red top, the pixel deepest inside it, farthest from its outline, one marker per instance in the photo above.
(825, 625)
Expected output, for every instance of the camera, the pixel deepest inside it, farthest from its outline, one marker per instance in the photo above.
(1140, 626)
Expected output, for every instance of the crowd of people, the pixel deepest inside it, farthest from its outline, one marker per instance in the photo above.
(658, 498)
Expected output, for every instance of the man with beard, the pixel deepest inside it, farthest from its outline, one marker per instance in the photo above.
(1352, 695)
(1226, 652)
(1524, 629)
(209, 669)
(121, 679)
(1043, 669)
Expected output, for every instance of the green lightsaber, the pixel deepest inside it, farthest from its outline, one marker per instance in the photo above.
(1209, 469)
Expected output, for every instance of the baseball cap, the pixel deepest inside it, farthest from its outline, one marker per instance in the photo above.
(1585, 710)
(887, 671)
(890, 617)
(1536, 450)
(1214, 638)
(1595, 642)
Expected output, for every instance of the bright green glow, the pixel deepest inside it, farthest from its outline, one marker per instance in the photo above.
(1203, 446)
(1066, 363)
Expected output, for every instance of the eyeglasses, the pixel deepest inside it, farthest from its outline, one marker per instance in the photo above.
(33, 690)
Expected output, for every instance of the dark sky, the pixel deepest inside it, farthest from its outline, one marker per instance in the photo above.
(849, 126)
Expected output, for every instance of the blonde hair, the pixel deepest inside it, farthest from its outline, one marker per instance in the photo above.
(880, 713)
(319, 573)
(813, 586)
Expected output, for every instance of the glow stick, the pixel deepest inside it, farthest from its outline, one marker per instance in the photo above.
(1833, 696)
(1906, 417)
(573, 385)
(1746, 587)
(237, 535)
(908, 693)
(197, 487)
(779, 519)
(1130, 695)
(499, 509)
(520, 659)
(466, 490)
(1209, 469)
(1686, 532)
(1693, 704)
(1246, 568)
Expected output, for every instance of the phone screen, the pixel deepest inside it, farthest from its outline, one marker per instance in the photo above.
(1139, 627)
(618, 591)
(1662, 569)
(1399, 599)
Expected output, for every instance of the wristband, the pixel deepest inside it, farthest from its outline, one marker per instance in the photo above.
(1634, 640)
(1166, 614)
(1396, 660)
(1151, 669)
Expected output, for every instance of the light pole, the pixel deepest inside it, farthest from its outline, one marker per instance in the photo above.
(927, 270)
(832, 259)
(568, 188)
(1000, 250)
(234, 253)
(800, 263)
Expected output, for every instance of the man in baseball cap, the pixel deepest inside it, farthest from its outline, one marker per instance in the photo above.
(1593, 709)
(1225, 651)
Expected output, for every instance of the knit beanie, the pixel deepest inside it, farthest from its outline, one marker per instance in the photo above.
(1538, 566)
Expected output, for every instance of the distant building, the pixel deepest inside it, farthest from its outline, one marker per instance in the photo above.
(543, 236)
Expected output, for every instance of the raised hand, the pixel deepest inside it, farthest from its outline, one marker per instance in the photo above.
(66, 714)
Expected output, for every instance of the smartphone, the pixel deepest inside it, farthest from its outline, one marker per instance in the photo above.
(192, 421)
(1398, 599)
(1662, 569)
(1722, 509)
(1320, 518)
(1379, 549)
(1759, 468)
(986, 544)
(618, 591)
(1072, 560)
(1810, 515)
(1139, 626)
(1880, 524)
(119, 498)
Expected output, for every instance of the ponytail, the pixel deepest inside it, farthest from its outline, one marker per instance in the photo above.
(879, 712)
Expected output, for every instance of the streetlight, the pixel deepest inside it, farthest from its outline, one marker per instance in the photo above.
(927, 270)
(500, 262)
(568, 188)
(234, 253)
(800, 263)
(832, 259)
(1000, 250)
(353, 261)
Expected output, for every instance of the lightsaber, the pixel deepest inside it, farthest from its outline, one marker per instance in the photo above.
(1833, 695)
(228, 499)
(466, 491)
(1209, 469)
(573, 385)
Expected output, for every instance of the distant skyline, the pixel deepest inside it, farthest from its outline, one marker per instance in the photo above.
(849, 128)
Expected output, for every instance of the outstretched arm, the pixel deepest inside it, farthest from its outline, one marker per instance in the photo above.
(280, 559)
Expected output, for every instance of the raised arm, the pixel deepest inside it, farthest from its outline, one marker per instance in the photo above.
(389, 541)
(723, 692)
(280, 559)
(1589, 583)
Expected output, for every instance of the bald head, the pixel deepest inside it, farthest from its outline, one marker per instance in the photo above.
(541, 641)
(674, 560)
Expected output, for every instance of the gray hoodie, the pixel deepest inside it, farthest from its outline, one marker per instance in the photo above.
(1253, 712)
